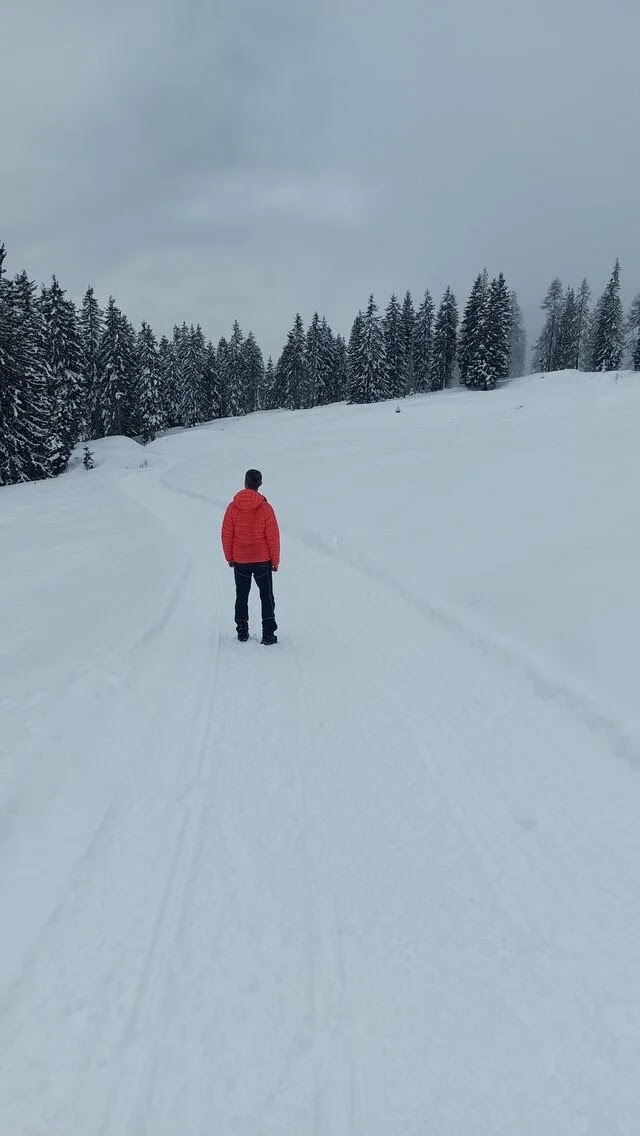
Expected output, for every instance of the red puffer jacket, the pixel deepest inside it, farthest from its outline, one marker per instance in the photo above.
(250, 533)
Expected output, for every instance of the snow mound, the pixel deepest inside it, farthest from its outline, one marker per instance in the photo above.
(116, 453)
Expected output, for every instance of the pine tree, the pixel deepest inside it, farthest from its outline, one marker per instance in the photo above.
(353, 357)
(609, 331)
(517, 338)
(499, 329)
(473, 346)
(253, 374)
(194, 403)
(175, 373)
(266, 402)
(313, 376)
(445, 342)
(591, 333)
(633, 332)
(113, 387)
(166, 369)
(234, 373)
(422, 351)
(569, 336)
(581, 360)
(340, 369)
(481, 374)
(212, 381)
(368, 369)
(188, 371)
(394, 339)
(290, 375)
(91, 323)
(546, 353)
(204, 386)
(221, 364)
(62, 354)
(149, 385)
(132, 424)
(408, 323)
(26, 440)
(327, 369)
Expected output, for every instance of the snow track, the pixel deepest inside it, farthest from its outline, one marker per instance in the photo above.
(379, 879)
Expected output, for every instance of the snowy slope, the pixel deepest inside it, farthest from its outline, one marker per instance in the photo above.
(381, 879)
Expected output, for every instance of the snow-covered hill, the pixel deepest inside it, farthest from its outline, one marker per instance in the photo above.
(381, 879)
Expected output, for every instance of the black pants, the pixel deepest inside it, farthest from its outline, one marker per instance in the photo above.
(264, 579)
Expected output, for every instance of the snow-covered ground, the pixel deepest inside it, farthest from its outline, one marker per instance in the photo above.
(380, 880)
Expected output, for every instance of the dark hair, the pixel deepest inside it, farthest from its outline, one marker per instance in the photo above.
(252, 479)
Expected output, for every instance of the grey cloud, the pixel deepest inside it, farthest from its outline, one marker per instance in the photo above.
(206, 161)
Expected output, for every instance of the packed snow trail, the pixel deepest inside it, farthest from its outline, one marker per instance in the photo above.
(378, 879)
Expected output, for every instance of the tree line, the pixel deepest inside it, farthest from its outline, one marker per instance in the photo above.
(577, 336)
(70, 374)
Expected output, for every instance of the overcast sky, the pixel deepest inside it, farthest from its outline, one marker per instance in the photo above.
(206, 160)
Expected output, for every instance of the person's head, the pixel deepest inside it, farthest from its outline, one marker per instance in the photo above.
(252, 479)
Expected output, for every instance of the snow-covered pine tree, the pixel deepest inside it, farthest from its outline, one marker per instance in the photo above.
(590, 335)
(327, 368)
(194, 390)
(26, 441)
(546, 352)
(221, 363)
(370, 370)
(445, 342)
(394, 340)
(481, 375)
(148, 384)
(131, 411)
(353, 358)
(408, 323)
(113, 386)
(499, 329)
(517, 338)
(175, 375)
(340, 370)
(266, 400)
(212, 380)
(569, 337)
(234, 373)
(473, 340)
(581, 361)
(204, 387)
(9, 404)
(633, 332)
(91, 323)
(253, 373)
(166, 366)
(609, 331)
(62, 355)
(188, 402)
(635, 359)
(290, 375)
(422, 350)
(313, 376)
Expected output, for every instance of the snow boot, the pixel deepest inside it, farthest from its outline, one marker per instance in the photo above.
(268, 638)
(243, 632)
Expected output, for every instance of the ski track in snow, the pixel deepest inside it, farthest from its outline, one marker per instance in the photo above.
(380, 878)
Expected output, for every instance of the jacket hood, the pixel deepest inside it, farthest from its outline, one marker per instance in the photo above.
(248, 499)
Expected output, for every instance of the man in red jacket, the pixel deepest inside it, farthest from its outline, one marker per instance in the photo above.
(251, 543)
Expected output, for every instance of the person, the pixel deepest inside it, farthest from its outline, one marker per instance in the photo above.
(251, 543)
